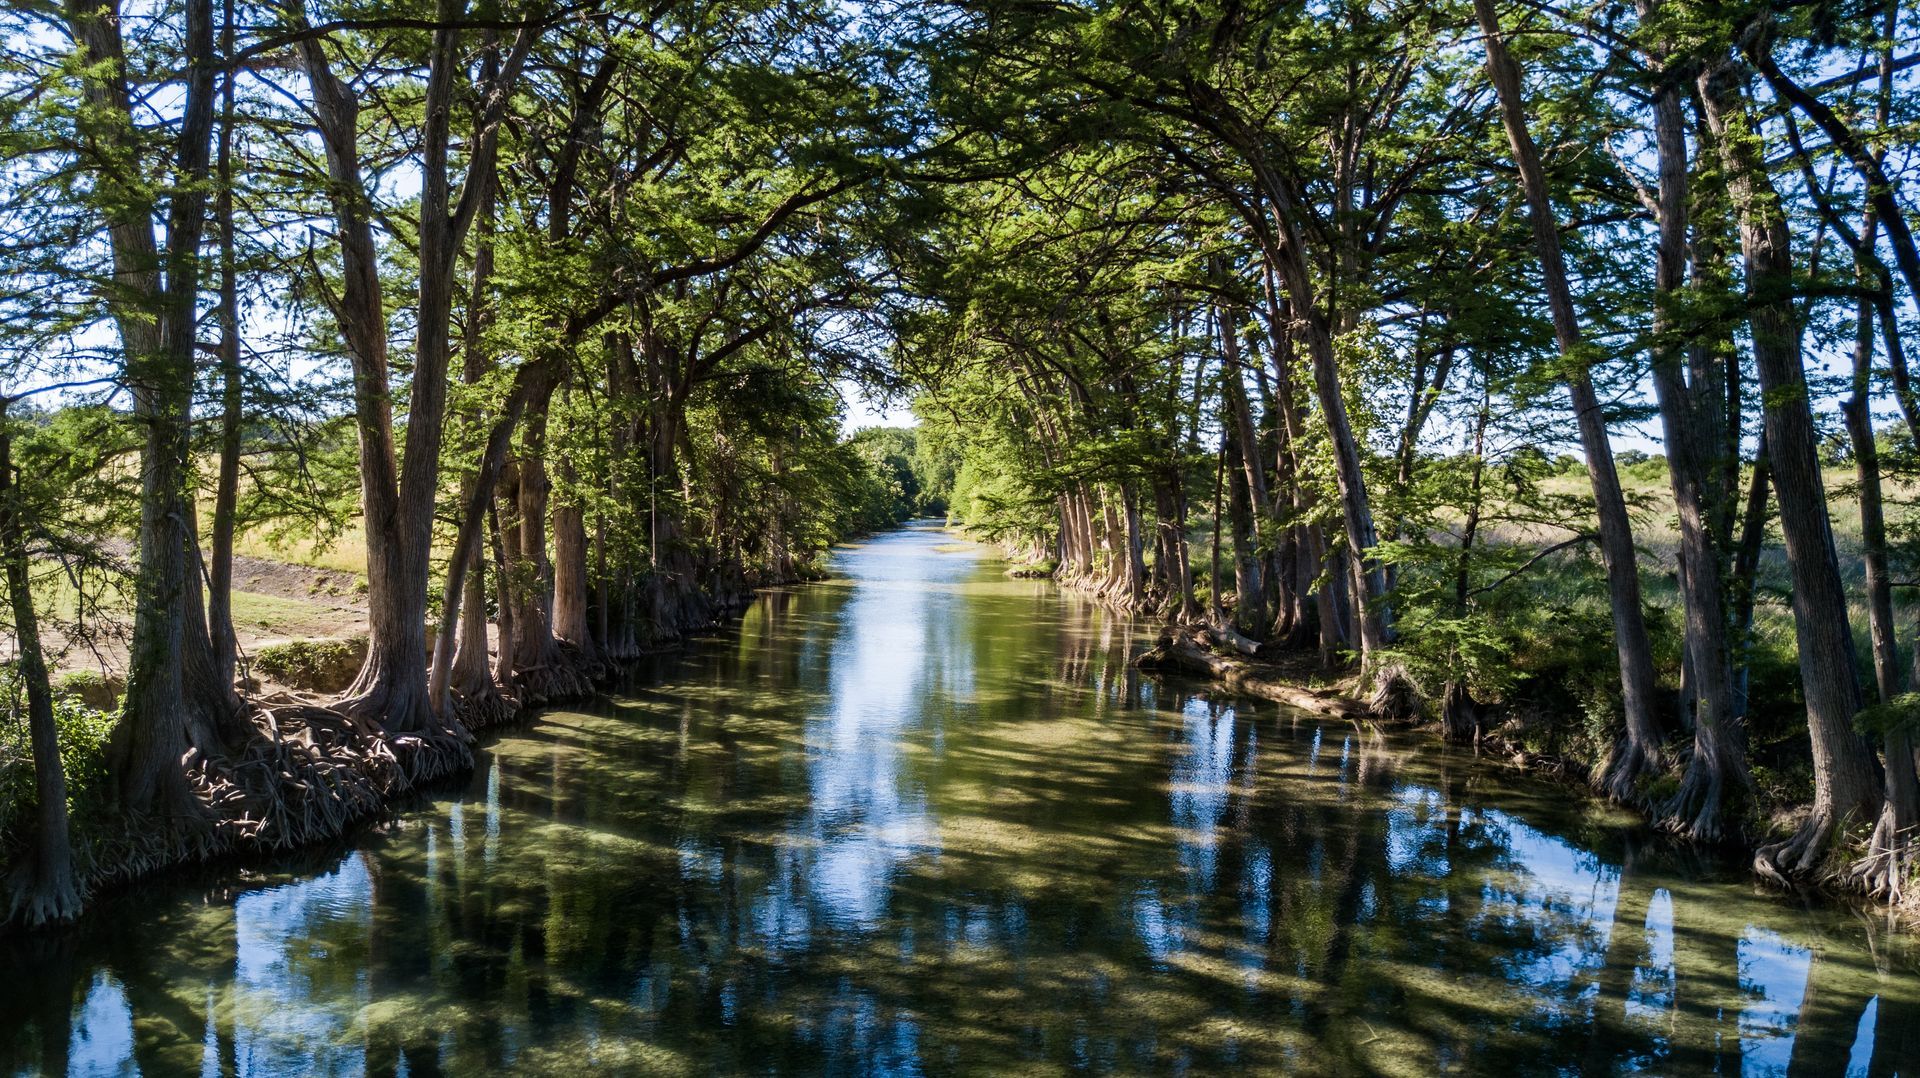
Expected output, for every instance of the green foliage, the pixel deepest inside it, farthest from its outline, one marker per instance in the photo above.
(1092, 242)
(312, 665)
(893, 491)
(1641, 466)
(1902, 713)
(83, 732)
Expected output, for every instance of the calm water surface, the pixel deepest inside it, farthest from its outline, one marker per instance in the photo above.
(924, 819)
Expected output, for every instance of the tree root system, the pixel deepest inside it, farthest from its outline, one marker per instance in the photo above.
(304, 770)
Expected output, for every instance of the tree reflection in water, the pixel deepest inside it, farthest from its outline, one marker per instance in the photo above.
(925, 819)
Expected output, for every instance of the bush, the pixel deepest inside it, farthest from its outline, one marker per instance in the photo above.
(90, 687)
(83, 733)
(1648, 468)
(313, 665)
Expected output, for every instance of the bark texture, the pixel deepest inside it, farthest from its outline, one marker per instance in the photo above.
(1845, 783)
(1638, 752)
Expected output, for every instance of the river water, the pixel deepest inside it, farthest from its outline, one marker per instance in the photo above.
(924, 818)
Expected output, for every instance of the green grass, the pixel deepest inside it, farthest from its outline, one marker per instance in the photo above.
(270, 615)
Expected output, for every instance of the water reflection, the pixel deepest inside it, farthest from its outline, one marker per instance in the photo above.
(925, 819)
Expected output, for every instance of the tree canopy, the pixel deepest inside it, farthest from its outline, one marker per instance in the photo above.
(1491, 354)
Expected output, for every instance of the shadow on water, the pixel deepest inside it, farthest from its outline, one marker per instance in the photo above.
(925, 819)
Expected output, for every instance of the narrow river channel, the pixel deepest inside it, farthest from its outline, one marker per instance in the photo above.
(923, 818)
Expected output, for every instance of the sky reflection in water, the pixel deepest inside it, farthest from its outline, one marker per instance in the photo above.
(924, 819)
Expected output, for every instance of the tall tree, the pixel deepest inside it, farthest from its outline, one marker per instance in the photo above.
(399, 494)
(1845, 783)
(174, 702)
(1639, 752)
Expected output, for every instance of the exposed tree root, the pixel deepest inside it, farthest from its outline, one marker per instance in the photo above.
(1695, 810)
(1802, 858)
(305, 774)
(301, 770)
(1619, 780)
(484, 708)
(1395, 696)
(1108, 592)
(1883, 872)
(1459, 714)
(675, 606)
(428, 758)
(557, 678)
(625, 645)
(36, 901)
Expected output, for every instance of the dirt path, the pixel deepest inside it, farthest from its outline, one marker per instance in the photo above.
(273, 602)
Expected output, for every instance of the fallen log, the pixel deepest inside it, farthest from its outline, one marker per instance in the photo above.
(1227, 636)
(1181, 654)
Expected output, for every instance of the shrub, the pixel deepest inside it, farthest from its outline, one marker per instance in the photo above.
(82, 732)
(327, 665)
(1648, 468)
(90, 687)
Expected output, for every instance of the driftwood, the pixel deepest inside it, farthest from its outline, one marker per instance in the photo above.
(1226, 636)
(1184, 652)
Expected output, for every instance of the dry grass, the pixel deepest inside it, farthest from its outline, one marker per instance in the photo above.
(346, 554)
(259, 618)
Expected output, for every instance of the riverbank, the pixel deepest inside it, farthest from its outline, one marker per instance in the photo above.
(1193, 653)
(310, 770)
(926, 817)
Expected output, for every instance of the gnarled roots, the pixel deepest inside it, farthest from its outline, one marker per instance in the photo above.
(1694, 811)
(1804, 857)
(1619, 780)
(1883, 872)
(304, 774)
(1459, 714)
(35, 898)
(1394, 696)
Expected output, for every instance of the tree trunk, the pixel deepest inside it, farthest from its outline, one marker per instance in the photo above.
(1281, 247)
(1250, 498)
(1746, 564)
(1293, 554)
(1459, 715)
(227, 487)
(1249, 612)
(170, 705)
(570, 587)
(399, 496)
(43, 886)
(1136, 556)
(478, 692)
(1216, 611)
(503, 577)
(542, 672)
(391, 687)
(1718, 760)
(1638, 752)
(1845, 784)
(1173, 561)
(1883, 872)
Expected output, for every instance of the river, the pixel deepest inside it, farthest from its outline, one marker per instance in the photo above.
(924, 819)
